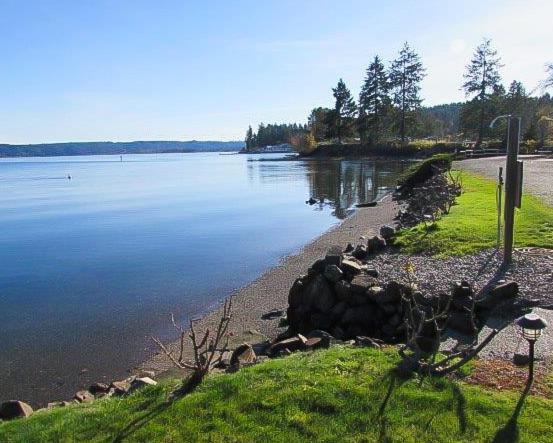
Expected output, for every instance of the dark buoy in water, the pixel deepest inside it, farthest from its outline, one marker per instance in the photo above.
(68, 176)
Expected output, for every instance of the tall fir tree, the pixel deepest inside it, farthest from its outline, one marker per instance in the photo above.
(405, 75)
(249, 138)
(344, 109)
(374, 102)
(548, 82)
(481, 80)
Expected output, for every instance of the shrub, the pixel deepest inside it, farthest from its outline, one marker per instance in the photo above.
(422, 171)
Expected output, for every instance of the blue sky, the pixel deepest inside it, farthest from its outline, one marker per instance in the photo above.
(179, 70)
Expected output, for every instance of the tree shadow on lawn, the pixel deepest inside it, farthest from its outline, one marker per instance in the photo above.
(509, 432)
(187, 387)
(394, 381)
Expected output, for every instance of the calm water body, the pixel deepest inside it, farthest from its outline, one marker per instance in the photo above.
(90, 267)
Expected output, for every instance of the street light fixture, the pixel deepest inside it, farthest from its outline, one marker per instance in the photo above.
(532, 326)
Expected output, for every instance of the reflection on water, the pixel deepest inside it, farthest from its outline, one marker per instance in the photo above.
(340, 184)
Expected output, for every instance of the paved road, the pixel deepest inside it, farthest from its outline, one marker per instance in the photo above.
(538, 173)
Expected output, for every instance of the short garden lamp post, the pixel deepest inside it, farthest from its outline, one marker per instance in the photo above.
(532, 326)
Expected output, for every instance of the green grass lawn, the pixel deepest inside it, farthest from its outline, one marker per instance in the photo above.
(471, 225)
(340, 394)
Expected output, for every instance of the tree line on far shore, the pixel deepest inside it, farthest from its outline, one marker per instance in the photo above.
(389, 107)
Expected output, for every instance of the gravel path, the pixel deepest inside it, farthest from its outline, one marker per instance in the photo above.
(538, 173)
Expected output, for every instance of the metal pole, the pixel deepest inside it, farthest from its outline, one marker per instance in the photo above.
(511, 179)
(531, 363)
(499, 205)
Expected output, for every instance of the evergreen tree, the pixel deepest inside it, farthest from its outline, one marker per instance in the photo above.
(548, 82)
(481, 78)
(319, 121)
(344, 109)
(374, 102)
(249, 139)
(406, 73)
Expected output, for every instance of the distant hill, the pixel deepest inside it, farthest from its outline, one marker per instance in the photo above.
(106, 148)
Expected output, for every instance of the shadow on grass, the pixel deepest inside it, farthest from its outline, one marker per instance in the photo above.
(460, 407)
(509, 432)
(188, 386)
(394, 380)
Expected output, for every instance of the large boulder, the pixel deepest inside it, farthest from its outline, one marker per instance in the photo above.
(14, 409)
(342, 290)
(394, 291)
(319, 295)
(358, 315)
(333, 273)
(499, 294)
(295, 296)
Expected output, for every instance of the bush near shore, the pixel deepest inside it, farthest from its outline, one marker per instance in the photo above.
(340, 394)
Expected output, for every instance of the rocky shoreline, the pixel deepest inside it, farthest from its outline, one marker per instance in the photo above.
(253, 303)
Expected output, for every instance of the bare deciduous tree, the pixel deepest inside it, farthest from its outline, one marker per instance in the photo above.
(207, 350)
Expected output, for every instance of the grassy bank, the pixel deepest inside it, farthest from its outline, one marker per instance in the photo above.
(471, 225)
(341, 394)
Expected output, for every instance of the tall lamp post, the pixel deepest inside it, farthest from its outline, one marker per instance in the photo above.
(532, 326)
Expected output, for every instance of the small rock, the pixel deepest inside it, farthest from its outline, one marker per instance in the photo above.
(141, 382)
(325, 337)
(334, 256)
(333, 273)
(14, 409)
(360, 252)
(351, 267)
(372, 272)
(292, 344)
(120, 387)
(243, 355)
(314, 343)
(84, 397)
(98, 388)
(376, 244)
(387, 232)
(361, 283)
(275, 313)
(368, 342)
(150, 374)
